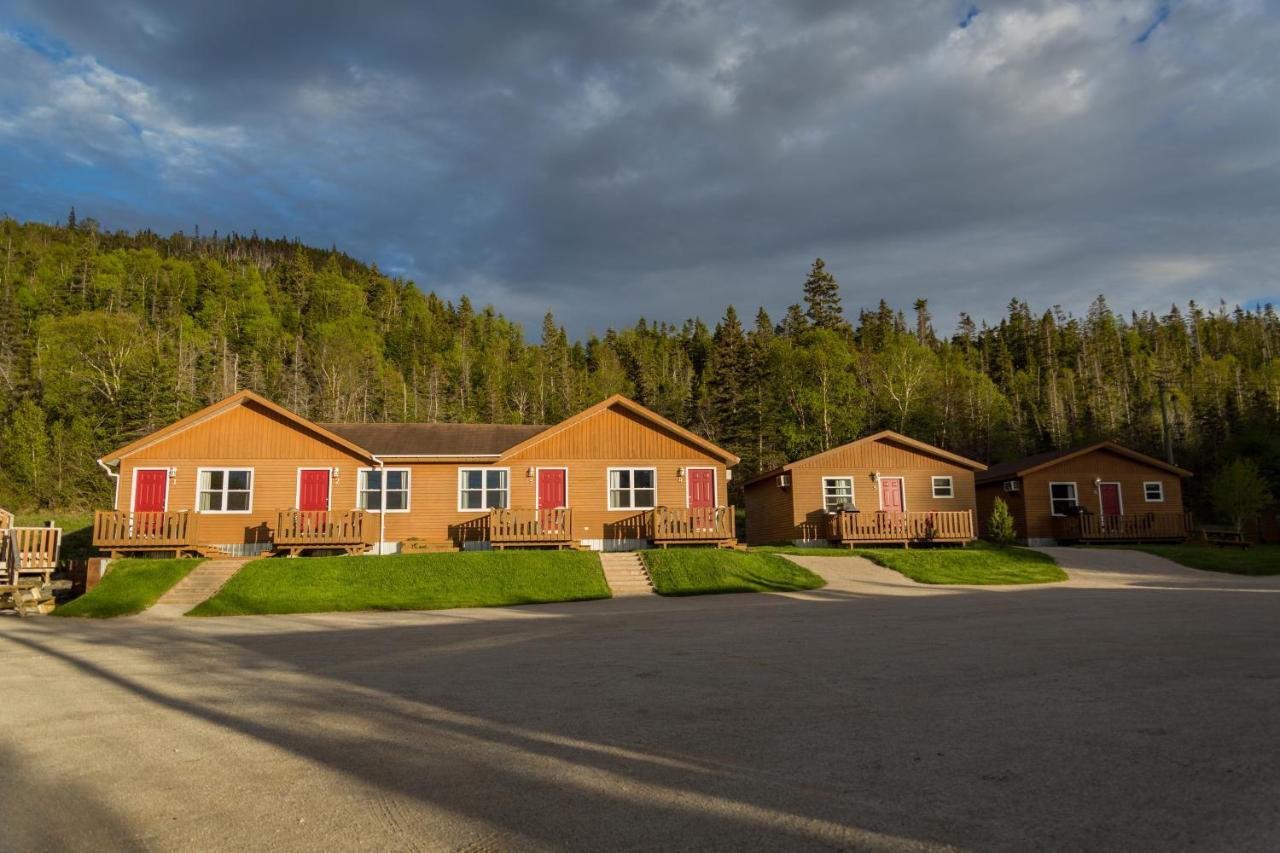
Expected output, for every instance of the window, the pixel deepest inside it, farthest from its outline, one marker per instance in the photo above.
(483, 488)
(225, 490)
(633, 488)
(943, 487)
(837, 493)
(1062, 497)
(1154, 491)
(370, 489)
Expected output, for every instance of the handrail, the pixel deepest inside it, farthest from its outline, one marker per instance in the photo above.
(155, 530)
(693, 524)
(530, 525)
(880, 526)
(1130, 526)
(317, 528)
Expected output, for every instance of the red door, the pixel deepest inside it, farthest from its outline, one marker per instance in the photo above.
(1109, 497)
(151, 490)
(552, 494)
(891, 494)
(313, 490)
(702, 487)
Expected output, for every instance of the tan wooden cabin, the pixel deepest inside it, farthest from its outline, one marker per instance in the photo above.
(245, 476)
(885, 488)
(1101, 492)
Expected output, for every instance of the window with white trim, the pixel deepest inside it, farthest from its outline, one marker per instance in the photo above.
(837, 493)
(370, 491)
(225, 490)
(1153, 491)
(943, 487)
(633, 488)
(1062, 497)
(483, 488)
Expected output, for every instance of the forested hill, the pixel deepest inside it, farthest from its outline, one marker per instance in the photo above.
(105, 336)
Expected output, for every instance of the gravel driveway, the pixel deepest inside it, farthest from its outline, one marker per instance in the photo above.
(1133, 707)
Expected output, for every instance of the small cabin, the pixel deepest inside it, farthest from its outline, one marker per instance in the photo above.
(246, 476)
(1101, 492)
(885, 488)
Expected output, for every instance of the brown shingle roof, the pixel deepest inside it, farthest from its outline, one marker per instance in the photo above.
(435, 439)
(1027, 464)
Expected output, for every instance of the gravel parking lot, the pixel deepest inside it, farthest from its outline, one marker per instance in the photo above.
(1134, 707)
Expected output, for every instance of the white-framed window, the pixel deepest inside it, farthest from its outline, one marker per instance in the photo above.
(943, 487)
(369, 489)
(1153, 491)
(1062, 497)
(484, 488)
(225, 490)
(837, 493)
(633, 488)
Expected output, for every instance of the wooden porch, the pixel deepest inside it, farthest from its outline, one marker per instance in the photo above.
(297, 531)
(119, 533)
(712, 525)
(900, 528)
(1138, 527)
(531, 528)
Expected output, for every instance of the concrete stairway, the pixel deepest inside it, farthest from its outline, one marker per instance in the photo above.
(625, 573)
(203, 581)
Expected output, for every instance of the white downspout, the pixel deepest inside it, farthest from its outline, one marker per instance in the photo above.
(382, 504)
(115, 475)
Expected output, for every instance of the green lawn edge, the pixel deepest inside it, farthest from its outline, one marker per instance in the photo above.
(1254, 561)
(976, 564)
(128, 587)
(712, 571)
(408, 582)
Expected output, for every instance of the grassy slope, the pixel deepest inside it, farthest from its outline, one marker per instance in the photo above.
(130, 586)
(978, 563)
(408, 582)
(696, 571)
(1256, 560)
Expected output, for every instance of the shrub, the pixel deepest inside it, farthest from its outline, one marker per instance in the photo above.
(1239, 491)
(1000, 528)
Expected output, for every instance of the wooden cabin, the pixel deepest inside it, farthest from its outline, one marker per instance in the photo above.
(885, 488)
(1101, 492)
(245, 476)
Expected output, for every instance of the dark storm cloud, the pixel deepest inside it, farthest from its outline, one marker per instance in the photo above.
(662, 159)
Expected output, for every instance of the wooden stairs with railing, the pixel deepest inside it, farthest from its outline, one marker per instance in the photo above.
(625, 573)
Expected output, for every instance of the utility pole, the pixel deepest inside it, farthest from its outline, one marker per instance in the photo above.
(1164, 421)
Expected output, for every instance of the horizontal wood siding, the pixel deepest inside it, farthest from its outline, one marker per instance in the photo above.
(987, 494)
(769, 513)
(1083, 470)
(613, 433)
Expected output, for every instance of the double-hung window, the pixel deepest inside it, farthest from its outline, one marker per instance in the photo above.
(633, 488)
(1062, 498)
(225, 490)
(1153, 491)
(483, 488)
(371, 491)
(837, 493)
(943, 487)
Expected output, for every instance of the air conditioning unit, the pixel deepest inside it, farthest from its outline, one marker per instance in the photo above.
(1011, 485)
(784, 480)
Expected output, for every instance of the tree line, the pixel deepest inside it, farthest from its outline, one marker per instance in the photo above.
(105, 336)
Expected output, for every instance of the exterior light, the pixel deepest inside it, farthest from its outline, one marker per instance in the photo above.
(680, 473)
(529, 473)
(875, 475)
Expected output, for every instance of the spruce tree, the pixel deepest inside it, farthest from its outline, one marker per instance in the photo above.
(822, 298)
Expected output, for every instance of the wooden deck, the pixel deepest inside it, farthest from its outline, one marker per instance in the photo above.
(901, 528)
(531, 528)
(297, 531)
(119, 533)
(713, 525)
(1138, 527)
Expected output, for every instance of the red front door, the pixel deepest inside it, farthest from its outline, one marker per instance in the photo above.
(1109, 497)
(313, 490)
(151, 490)
(552, 494)
(891, 494)
(702, 487)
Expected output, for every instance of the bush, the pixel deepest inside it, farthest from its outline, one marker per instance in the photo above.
(1000, 528)
(1239, 491)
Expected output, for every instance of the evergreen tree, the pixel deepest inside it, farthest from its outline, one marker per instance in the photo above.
(822, 298)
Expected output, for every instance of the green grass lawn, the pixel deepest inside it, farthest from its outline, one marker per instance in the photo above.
(978, 563)
(408, 582)
(1255, 560)
(698, 571)
(129, 586)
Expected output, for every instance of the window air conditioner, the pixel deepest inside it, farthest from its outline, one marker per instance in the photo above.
(1011, 485)
(784, 480)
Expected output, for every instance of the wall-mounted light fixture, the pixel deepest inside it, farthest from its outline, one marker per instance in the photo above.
(173, 473)
(529, 473)
(333, 472)
(1097, 483)
(875, 475)
(680, 473)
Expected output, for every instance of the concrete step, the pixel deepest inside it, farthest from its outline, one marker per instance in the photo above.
(625, 573)
(203, 582)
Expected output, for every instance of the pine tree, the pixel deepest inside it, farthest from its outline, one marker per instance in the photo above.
(822, 298)
(1000, 529)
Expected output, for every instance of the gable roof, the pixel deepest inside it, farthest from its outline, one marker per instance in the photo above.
(1039, 461)
(436, 439)
(639, 411)
(239, 398)
(898, 437)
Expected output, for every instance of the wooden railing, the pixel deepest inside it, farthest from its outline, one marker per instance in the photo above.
(118, 531)
(530, 526)
(1135, 527)
(30, 550)
(299, 529)
(695, 524)
(949, 526)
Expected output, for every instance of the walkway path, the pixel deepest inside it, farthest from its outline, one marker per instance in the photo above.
(203, 581)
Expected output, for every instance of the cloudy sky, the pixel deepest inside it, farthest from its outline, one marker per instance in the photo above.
(665, 157)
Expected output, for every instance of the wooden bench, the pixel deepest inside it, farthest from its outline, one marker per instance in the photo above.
(29, 551)
(1224, 537)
